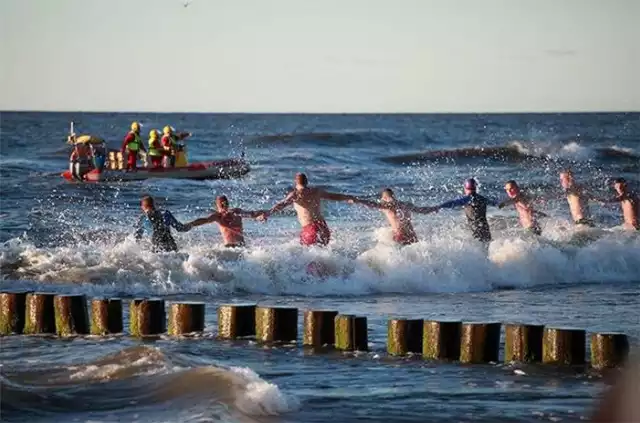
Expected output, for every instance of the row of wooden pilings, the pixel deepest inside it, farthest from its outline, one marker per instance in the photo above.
(65, 315)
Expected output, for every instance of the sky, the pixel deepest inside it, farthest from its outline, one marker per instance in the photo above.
(335, 56)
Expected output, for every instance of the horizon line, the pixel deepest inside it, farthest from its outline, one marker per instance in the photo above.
(550, 112)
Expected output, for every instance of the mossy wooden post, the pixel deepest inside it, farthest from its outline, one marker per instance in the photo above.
(276, 324)
(12, 312)
(236, 321)
(71, 315)
(187, 317)
(523, 343)
(351, 333)
(563, 346)
(39, 313)
(479, 342)
(608, 350)
(404, 336)
(441, 340)
(106, 316)
(147, 317)
(319, 328)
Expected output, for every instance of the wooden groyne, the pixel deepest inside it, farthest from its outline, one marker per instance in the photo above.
(34, 313)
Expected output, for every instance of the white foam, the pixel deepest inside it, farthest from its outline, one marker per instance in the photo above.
(360, 263)
(261, 398)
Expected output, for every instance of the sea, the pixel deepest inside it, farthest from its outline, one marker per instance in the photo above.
(66, 237)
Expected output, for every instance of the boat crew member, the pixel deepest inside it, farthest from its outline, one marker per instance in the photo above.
(523, 203)
(80, 160)
(170, 145)
(229, 221)
(398, 215)
(629, 202)
(307, 202)
(578, 199)
(475, 209)
(132, 145)
(159, 222)
(156, 152)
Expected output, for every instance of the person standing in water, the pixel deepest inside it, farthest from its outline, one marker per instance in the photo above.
(307, 202)
(524, 206)
(229, 221)
(629, 202)
(160, 223)
(475, 208)
(578, 199)
(398, 215)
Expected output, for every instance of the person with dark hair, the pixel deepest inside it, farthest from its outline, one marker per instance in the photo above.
(229, 221)
(578, 199)
(629, 203)
(307, 202)
(159, 222)
(475, 208)
(398, 215)
(523, 203)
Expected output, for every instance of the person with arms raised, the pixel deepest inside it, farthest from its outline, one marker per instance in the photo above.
(159, 222)
(398, 215)
(475, 209)
(307, 202)
(229, 221)
(523, 203)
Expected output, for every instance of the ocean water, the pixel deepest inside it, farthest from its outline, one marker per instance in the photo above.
(76, 238)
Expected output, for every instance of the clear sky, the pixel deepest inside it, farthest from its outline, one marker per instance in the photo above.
(320, 55)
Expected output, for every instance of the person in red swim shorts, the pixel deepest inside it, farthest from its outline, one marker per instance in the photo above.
(307, 202)
(398, 214)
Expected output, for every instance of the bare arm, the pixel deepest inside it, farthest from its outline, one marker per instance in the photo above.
(369, 203)
(507, 202)
(287, 201)
(335, 196)
(212, 218)
(253, 214)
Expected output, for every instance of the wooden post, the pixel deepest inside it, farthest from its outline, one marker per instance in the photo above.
(608, 350)
(71, 315)
(276, 324)
(319, 328)
(441, 340)
(479, 342)
(39, 313)
(563, 346)
(404, 336)
(12, 312)
(147, 317)
(351, 333)
(186, 318)
(106, 316)
(523, 343)
(236, 321)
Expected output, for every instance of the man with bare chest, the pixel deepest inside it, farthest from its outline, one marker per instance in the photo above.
(578, 199)
(629, 202)
(524, 206)
(398, 215)
(229, 221)
(307, 202)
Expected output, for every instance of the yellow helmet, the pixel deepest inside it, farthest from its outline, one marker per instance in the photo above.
(167, 130)
(135, 127)
(153, 134)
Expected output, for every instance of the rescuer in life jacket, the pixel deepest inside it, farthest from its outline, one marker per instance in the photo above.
(170, 145)
(156, 152)
(132, 145)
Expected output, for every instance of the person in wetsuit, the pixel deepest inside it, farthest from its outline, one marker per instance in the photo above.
(229, 221)
(475, 208)
(160, 223)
